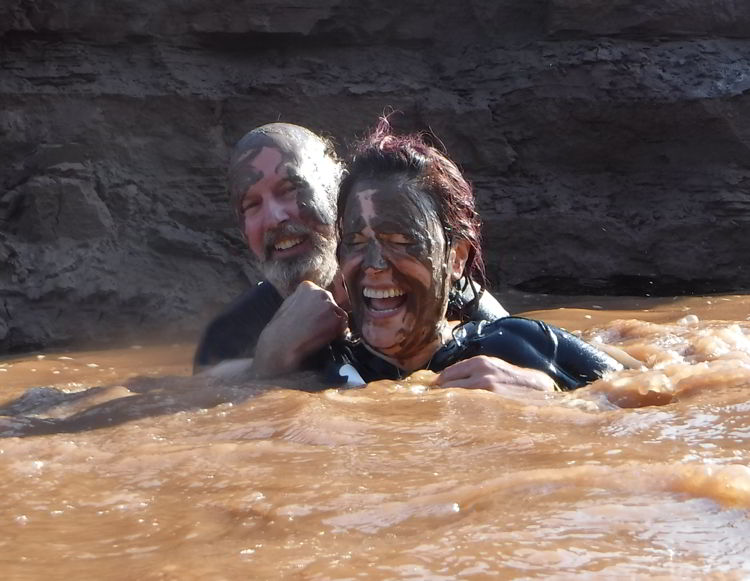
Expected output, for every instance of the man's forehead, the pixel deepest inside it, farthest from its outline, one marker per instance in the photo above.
(249, 150)
(296, 144)
(299, 161)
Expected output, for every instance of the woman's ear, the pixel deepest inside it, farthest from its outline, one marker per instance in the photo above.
(459, 256)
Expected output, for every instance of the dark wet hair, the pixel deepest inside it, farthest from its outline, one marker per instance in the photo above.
(383, 154)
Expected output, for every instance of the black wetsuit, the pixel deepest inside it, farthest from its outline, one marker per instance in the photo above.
(567, 359)
(234, 333)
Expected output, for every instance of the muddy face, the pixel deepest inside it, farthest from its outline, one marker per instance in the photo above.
(284, 185)
(393, 259)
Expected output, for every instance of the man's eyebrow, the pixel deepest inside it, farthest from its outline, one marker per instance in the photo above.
(292, 174)
(240, 181)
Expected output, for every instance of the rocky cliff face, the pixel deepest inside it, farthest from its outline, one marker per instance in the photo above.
(609, 142)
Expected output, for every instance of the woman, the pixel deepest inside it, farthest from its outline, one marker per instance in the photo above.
(409, 239)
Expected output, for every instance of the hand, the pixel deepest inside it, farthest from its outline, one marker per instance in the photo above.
(493, 374)
(307, 320)
(340, 294)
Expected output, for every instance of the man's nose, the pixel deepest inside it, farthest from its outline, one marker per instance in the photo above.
(374, 258)
(276, 213)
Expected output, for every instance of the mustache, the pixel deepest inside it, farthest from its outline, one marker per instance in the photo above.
(271, 237)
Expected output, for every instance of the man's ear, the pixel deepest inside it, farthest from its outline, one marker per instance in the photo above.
(459, 256)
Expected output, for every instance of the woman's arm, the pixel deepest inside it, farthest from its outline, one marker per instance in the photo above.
(525, 344)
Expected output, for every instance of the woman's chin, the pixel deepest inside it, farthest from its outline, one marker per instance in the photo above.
(384, 344)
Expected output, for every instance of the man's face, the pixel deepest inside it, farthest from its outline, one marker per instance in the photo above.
(393, 259)
(287, 209)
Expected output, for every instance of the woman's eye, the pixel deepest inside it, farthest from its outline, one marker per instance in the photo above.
(354, 240)
(399, 240)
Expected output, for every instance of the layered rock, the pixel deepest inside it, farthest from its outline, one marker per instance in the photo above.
(608, 142)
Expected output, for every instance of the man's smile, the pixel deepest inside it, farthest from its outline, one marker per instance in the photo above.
(287, 243)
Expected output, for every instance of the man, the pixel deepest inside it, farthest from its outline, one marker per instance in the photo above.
(283, 183)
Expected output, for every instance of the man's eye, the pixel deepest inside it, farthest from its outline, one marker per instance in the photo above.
(249, 206)
(288, 191)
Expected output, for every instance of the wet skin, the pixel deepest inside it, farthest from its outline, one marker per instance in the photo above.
(282, 183)
(393, 244)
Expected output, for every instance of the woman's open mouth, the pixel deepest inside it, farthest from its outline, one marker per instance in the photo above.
(383, 301)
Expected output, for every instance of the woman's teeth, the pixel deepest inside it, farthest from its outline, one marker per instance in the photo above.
(373, 293)
(288, 243)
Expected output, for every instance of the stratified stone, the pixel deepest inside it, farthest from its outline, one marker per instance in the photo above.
(608, 142)
(54, 207)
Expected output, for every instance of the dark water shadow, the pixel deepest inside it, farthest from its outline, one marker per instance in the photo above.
(46, 410)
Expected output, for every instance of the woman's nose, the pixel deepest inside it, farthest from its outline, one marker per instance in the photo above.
(374, 258)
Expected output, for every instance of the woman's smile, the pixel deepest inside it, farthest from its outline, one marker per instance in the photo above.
(383, 301)
(392, 257)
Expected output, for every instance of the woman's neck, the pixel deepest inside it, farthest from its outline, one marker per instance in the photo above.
(422, 358)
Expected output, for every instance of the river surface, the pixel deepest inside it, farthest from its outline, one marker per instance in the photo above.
(156, 475)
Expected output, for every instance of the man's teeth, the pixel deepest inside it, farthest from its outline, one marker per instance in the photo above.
(373, 293)
(288, 243)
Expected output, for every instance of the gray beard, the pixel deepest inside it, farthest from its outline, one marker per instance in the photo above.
(319, 267)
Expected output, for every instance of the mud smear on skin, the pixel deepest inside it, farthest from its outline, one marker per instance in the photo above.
(397, 206)
(304, 168)
(307, 165)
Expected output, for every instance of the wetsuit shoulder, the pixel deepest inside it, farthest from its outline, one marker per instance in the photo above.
(462, 305)
(487, 309)
(234, 332)
(530, 343)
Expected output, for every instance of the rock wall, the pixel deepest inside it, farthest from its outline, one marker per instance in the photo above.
(609, 142)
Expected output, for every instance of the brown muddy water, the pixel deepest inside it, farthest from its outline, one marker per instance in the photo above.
(645, 473)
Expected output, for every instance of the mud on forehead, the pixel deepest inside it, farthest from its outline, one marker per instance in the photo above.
(251, 145)
(305, 157)
(290, 140)
(395, 205)
(398, 205)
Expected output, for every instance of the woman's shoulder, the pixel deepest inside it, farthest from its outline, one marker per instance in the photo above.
(474, 303)
(530, 343)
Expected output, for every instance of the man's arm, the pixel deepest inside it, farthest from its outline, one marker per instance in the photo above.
(259, 337)
(234, 333)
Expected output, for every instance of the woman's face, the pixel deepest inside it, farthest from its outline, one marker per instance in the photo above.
(394, 261)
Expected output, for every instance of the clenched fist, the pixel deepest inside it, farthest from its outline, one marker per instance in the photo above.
(308, 320)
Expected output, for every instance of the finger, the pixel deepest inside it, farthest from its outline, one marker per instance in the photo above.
(460, 370)
(341, 313)
(308, 284)
(338, 289)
